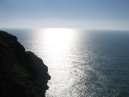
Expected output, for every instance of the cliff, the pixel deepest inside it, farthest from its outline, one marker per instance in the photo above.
(22, 73)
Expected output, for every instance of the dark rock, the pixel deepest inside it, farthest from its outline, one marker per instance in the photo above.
(22, 74)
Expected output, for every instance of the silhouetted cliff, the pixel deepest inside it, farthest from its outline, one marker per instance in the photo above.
(22, 74)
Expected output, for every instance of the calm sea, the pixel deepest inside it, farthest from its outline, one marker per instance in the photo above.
(81, 63)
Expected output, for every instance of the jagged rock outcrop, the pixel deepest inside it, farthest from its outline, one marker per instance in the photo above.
(22, 74)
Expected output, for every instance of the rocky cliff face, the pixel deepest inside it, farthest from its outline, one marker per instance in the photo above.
(22, 73)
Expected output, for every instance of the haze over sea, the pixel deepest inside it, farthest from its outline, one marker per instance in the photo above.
(81, 63)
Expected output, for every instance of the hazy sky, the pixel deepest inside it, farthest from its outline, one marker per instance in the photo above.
(88, 14)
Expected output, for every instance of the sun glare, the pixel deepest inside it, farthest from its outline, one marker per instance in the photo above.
(58, 30)
(59, 35)
(58, 42)
(57, 48)
(58, 39)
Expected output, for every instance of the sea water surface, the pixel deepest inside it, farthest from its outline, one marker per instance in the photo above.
(82, 63)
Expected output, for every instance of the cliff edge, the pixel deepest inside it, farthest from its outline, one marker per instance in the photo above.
(22, 73)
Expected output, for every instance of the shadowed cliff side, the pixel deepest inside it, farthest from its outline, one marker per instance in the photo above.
(22, 74)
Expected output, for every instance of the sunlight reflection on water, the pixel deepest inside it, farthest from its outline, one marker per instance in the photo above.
(61, 54)
(58, 48)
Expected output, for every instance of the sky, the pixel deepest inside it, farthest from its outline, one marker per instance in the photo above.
(84, 14)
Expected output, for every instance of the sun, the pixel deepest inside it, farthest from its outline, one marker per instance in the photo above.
(58, 30)
(58, 35)
(58, 39)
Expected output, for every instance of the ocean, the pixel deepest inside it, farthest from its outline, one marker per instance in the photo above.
(81, 63)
